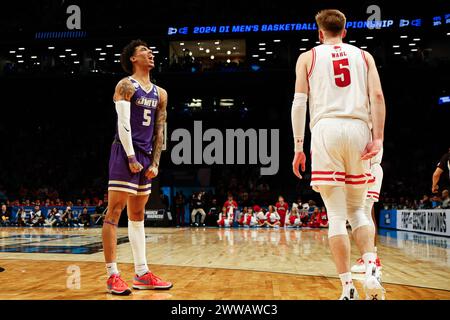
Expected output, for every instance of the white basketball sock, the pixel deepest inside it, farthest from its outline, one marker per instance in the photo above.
(111, 268)
(136, 234)
(346, 279)
(369, 261)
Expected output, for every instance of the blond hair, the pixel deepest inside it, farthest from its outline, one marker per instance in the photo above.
(331, 21)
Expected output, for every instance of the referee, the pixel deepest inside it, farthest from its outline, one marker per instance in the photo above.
(443, 165)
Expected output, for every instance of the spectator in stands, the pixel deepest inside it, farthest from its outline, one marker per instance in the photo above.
(445, 200)
(230, 205)
(294, 217)
(99, 215)
(21, 217)
(180, 202)
(68, 218)
(272, 218)
(425, 203)
(436, 201)
(312, 207)
(84, 219)
(242, 219)
(323, 221)
(251, 219)
(51, 218)
(226, 218)
(314, 219)
(245, 200)
(198, 207)
(260, 216)
(282, 209)
(304, 214)
(5, 216)
(213, 214)
(58, 217)
(37, 218)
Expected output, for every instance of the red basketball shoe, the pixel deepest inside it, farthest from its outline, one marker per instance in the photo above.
(150, 281)
(116, 285)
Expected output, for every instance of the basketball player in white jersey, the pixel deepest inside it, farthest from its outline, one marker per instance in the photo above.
(341, 81)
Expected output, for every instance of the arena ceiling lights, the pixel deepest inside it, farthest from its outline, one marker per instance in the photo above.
(222, 49)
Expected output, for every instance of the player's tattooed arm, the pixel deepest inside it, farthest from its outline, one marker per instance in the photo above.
(161, 116)
(124, 90)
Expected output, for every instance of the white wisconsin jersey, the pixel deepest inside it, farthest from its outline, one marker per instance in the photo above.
(338, 83)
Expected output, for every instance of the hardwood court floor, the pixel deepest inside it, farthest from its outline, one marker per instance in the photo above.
(215, 264)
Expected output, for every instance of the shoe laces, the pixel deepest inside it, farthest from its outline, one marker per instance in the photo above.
(155, 277)
(152, 276)
(117, 279)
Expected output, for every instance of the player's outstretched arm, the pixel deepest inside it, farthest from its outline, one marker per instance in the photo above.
(122, 96)
(378, 109)
(161, 116)
(298, 112)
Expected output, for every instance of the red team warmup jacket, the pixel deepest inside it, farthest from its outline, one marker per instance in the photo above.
(282, 211)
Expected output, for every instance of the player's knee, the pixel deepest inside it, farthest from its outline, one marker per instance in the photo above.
(137, 215)
(368, 211)
(336, 225)
(359, 219)
(115, 211)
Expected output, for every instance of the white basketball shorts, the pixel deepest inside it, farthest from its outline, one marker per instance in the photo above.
(336, 148)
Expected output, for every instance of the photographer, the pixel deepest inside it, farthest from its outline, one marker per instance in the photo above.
(37, 218)
(84, 219)
(52, 218)
(68, 218)
(5, 216)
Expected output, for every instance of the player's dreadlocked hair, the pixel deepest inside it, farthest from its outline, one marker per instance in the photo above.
(128, 52)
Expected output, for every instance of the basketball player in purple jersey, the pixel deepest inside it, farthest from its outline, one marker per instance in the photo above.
(135, 153)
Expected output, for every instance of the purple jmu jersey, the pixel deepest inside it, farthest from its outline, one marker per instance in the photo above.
(142, 116)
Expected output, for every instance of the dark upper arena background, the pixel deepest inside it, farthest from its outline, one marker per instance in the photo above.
(57, 117)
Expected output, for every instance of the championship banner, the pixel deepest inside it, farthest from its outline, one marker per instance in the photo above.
(433, 221)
